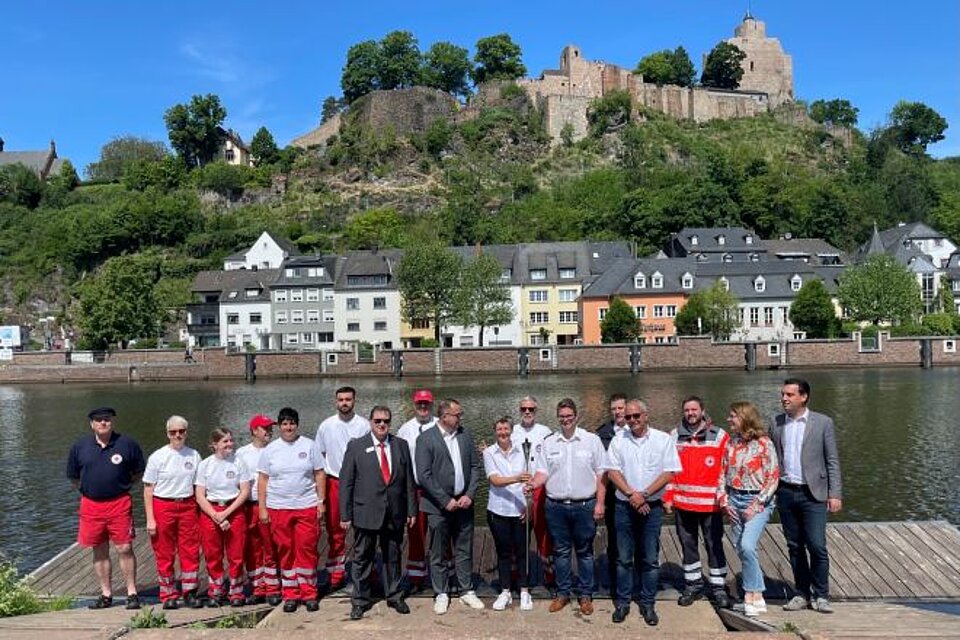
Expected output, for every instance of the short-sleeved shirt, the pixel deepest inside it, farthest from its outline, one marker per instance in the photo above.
(534, 434)
(172, 471)
(506, 501)
(410, 431)
(250, 456)
(222, 477)
(572, 465)
(105, 472)
(290, 467)
(641, 460)
(333, 435)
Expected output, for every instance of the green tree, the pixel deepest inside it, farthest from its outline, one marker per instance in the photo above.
(878, 290)
(331, 107)
(482, 300)
(447, 67)
(263, 148)
(620, 324)
(361, 73)
(837, 112)
(226, 179)
(195, 129)
(375, 228)
(428, 277)
(119, 153)
(722, 68)
(399, 61)
(710, 311)
(812, 311)
(915, 125)
(609, 113)
(20, 185)
(164, 175)
(498, 58)
(118, 304)
(667, 67)
(939, 324)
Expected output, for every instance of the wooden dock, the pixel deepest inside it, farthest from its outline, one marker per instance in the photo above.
(895, 561)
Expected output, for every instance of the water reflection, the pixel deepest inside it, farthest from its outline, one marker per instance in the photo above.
(896, 429)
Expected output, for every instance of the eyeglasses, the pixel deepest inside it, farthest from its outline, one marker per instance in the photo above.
(633, 416)
(528, 409)
(381, 421)
(176, 432)
(455, 415)
(566, 416)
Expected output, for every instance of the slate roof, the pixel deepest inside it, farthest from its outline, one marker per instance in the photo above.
(777, 276)
(806, 249)
(44, 163)
(898, 242)
(359, 263)
(618, 279)
(681, 244)
(238, 280)
(328, 263)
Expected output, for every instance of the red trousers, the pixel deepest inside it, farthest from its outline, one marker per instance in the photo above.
(178, 534)
(542, 536)
(296, 533)
(336, 537)
(260, 556)
(215, 540)
(416, 553)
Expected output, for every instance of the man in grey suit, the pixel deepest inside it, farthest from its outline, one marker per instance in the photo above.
(810, 486)
(378, 499)
(448, 468)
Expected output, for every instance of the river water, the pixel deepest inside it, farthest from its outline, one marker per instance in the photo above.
(898, 429)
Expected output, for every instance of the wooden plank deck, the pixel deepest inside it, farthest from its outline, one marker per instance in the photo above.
(869, 561)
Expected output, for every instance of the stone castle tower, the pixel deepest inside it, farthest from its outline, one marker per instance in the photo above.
(767, 67)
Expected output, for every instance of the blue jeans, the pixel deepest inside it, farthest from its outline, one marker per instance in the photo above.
(572, 528)
(635, 530)
(804, 521)
(746, 535)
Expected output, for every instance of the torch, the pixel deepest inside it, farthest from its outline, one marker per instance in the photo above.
(529, 497)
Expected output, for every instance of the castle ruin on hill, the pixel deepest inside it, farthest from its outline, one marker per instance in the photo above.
(563, 95)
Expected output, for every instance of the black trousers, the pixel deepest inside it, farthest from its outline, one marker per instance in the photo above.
(690, 524)
(365, 543)
(510, 541)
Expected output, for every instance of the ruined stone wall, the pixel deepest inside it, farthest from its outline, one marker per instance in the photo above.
(767, 67)
(561, 110)
(319, 136)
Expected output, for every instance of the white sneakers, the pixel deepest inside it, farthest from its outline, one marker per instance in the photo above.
(441, 603)
(503, 601)
(469, 599)
(754, 609)
(526, 602)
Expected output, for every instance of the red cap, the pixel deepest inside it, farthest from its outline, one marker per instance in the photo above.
(261, 420)
(422, 395)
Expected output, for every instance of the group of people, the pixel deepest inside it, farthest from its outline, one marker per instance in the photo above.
(260, 509)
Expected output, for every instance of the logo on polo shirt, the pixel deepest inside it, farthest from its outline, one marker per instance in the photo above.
(188, 466)
(303, 455)
(116, 458)
(710, 461)
(231, 475)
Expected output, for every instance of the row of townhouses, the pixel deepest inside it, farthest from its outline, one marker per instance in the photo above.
(271, 297)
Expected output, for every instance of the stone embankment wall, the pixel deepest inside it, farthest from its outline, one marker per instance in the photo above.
(690, 353)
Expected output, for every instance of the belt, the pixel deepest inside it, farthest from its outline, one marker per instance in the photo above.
(792, 485)
(173, 499)
(570, 501)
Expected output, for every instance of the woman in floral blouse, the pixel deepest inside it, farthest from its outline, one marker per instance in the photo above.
(747, 486)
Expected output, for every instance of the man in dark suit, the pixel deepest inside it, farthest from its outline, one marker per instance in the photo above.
(606, 432)
(378, 499)
(810, 486)
(448, 468)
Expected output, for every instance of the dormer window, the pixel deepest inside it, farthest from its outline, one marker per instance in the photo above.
(701, 257)
(686, 281)
(657, 280)
(754, 257)
(748, 239)
(796, 282)
(721, 240)
(538, 274)
(759, 285)
(694, 241)
(727, 257)
(725, 284)
(640, 281)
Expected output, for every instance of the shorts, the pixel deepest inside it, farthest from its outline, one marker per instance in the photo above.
(106, 520)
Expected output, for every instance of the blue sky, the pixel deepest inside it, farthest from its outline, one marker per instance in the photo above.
(85, 72)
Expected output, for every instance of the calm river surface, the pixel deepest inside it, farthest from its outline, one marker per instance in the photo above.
(898, 429)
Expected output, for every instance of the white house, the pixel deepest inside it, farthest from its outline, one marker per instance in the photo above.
(266, 253)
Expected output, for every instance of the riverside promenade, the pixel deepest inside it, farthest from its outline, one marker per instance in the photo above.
(889, 580)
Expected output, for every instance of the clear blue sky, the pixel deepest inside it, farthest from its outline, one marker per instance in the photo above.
(85, 72)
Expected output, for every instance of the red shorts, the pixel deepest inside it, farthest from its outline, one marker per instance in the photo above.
(106, 520)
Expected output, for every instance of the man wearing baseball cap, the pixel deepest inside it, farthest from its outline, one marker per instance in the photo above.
(260, 556)
(103, 466)
(422, 420)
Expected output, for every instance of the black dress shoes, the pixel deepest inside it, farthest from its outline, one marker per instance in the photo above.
(290, 606)
(400, 606)
(274, 600)
(620, 613)
(356, 612)
(311, 605)
(650, 615)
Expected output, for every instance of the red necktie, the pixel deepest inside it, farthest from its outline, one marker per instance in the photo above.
(384, 465)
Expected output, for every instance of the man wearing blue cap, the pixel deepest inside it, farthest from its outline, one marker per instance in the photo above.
(103, 467)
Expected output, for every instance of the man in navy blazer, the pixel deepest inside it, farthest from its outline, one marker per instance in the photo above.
(378, 499)
(810, 486)
(448, 467)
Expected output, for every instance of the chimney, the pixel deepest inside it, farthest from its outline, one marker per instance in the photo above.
(53, 148)
(1, 145)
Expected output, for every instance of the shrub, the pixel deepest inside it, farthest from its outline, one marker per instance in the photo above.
(16, 598)
(149, 619)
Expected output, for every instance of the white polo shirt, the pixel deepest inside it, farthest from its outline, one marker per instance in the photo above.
(172, 471)
(534, 434)
(333, 435)
(641, 460)
(249, 455)
(289, 467)
(509, 500)
(573, 465)
(410, 431)
(222, 477)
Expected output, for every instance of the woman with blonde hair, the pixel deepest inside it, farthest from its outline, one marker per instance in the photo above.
(746, 490)
(222, 489)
